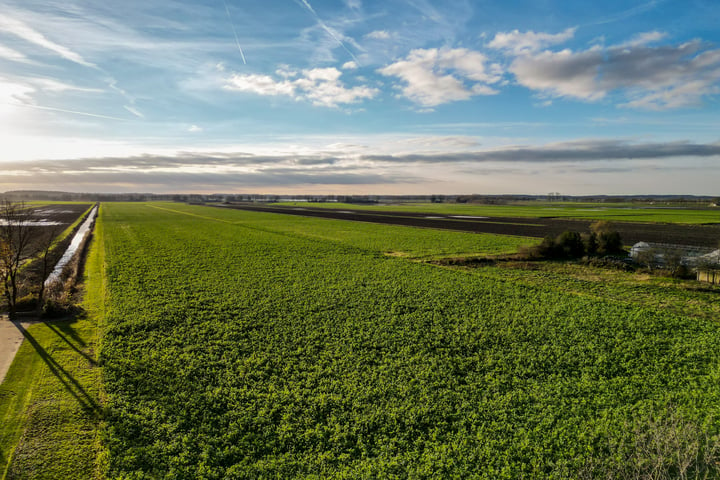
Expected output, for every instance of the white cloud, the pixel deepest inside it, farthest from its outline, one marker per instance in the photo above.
(260, 84)
(22, 30)
(349, 65)
(321, 86)
(285, 71)
(645, 38)
(15, 92)
(10, 54)
(378, 35)
(437, 76)
(195, 129)
(527, 42)
(23, 91)
(650, 77)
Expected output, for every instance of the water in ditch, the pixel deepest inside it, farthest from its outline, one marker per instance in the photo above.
(72, 248)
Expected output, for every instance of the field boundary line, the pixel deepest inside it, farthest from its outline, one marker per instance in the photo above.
(191, 214)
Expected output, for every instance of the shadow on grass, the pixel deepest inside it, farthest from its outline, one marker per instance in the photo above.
(86, 401)
(62, 328)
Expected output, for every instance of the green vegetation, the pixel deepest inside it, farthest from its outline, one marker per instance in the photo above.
(691, 299)
(616, 212)
(600, 240)
(49, 402)
(247, 345)
(392, 240)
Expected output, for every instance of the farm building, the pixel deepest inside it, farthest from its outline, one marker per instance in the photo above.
(686, 254)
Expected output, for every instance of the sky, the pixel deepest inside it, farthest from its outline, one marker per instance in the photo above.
(361, 97)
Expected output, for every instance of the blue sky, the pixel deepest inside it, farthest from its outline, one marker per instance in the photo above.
(359, 96)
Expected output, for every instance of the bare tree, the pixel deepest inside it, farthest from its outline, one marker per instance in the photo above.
(47, 240)
(15, 238)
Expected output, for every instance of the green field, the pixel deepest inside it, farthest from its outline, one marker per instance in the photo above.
(248, 345)
(616, 212)
(387, 239)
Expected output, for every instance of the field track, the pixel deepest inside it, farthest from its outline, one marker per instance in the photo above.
(696, 235)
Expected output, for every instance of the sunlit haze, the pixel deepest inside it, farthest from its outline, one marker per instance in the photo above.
(360, 97)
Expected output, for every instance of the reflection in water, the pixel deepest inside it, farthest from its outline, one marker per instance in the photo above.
(72, 248)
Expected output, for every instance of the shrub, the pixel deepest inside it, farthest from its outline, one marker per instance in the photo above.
(590, 243)
(547, 248)
(570, 245)
(608, 240)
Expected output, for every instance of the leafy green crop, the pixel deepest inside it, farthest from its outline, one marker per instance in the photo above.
(238, 348)
(387, 239)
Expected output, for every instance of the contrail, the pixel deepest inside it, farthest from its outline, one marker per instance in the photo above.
(328, 29)
(75, 112)
(237, 42)
(627, 13)
(330, 32)
(309, 7)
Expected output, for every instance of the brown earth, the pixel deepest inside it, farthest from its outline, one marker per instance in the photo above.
(696, 235)
(63, 215)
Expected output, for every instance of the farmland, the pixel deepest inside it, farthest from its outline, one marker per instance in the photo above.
(38, 235)
(631, 232)
(60, 217)
(251, 345)
(622, 212)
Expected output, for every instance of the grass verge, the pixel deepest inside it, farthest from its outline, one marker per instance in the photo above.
(50, 408)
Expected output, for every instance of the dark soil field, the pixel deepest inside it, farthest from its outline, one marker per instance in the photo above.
(55, 217)
(696, 235)
(46, 223)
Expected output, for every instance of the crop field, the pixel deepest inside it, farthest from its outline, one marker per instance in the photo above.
(624, 212)
(631, 232)
(387, 239)
(251, 345)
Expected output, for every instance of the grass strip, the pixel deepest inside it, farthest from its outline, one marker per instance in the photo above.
(50, 407)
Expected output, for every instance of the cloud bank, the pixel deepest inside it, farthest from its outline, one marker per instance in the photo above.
(643, 76)
(235, 171)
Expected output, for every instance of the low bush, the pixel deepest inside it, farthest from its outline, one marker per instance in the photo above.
(602, 240)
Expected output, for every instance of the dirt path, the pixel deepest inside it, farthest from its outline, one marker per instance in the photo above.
(10, 340)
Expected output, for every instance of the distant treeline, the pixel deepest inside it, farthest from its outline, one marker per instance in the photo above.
(28, 195)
